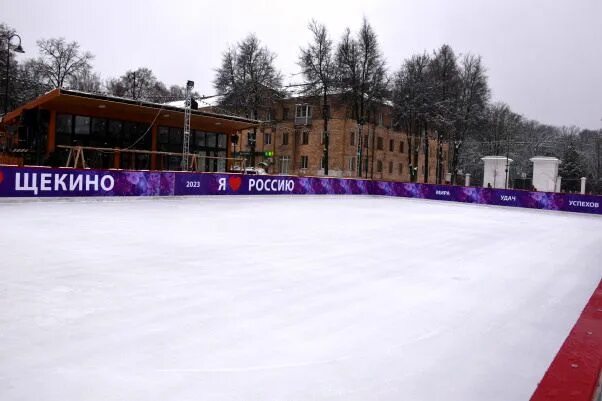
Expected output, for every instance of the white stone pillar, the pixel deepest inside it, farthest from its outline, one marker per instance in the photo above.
(467, 180)
(545, 173)
(583, 182)
(558, 184)
(494, 174)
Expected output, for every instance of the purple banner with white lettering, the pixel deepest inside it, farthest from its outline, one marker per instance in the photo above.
(68, 182)
(24, 182)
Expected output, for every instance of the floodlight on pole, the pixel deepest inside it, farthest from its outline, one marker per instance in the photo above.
(187, 114)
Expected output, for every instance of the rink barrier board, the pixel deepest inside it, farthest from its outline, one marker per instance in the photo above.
(574, 374)
(41, 182)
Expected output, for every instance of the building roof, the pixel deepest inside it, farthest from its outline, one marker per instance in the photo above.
(76, 102)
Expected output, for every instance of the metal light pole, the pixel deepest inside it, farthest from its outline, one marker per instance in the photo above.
(507, 160)
(598, 141)
(18, 49)
(187, 113)
(325, 138)
(360, 153)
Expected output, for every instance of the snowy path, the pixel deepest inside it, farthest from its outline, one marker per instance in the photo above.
(282, 298)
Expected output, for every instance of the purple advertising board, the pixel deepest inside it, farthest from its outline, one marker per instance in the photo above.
(27, 182)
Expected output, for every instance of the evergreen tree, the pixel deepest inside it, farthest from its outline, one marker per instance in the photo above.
(572, 167)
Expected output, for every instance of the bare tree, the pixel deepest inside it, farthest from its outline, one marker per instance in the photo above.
(61, 60)
(363, 77)
(471, 104)
(318, 67)
(139, 84)
(499, 134)
(30, 82)
(412, 101)
(85, 80)
(247, 81)
(445, 85)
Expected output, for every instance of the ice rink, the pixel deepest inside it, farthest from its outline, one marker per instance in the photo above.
(286, 298)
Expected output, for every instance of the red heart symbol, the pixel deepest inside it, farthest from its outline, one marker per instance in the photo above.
(235, 183)
(1, 177)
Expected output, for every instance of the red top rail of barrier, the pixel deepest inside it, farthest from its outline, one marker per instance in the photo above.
(574, 374)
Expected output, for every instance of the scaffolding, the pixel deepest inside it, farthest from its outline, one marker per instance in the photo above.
(76, 157)
(187, 114)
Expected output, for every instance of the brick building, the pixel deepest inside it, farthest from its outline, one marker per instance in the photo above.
(293, 132)
(123, 133)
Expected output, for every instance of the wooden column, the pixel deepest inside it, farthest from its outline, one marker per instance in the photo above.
(228, 150)
(153, 162)
(51, 145)
(116, 158)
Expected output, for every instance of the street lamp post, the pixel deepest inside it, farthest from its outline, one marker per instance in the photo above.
(507, 160)
(360, 146)
(18, 49)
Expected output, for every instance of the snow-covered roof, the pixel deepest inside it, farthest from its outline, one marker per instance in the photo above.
(209, 102)
(177, 103)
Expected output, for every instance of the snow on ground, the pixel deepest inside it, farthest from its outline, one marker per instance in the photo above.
(286, 298)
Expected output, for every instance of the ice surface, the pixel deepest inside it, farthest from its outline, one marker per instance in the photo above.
(286, 298)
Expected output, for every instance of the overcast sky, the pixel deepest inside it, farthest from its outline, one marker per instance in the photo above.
(543, 57)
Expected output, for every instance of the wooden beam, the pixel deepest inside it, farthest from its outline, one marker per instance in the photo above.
(51, 132)
(153, 162)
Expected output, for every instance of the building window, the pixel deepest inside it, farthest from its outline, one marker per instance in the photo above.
(163, 138)
(268, 115)
(114, 133)
(352, 138)
(303, 114)
(285, 113)
(304, 162)
(64, 128)
(379, 143)
(64, 123)
(222, 140)
(170, 139)
(391, 145)
(303, 110)
(198, 137)
(400, 146)
(267, 138)
(284, 164)
(250, 138)
(98, 126)
(285, 138)
(400, 168)
(351, 164)
(379, 166)
(82, 125)
(390, 167)
(128, 134)
(211, 139)
(175, 136)
(380, 118)
(305, 138)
